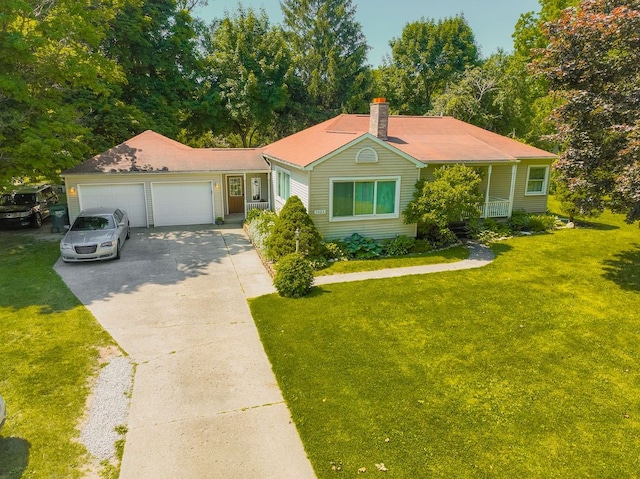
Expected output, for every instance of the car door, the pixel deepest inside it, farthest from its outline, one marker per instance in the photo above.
(121, 228)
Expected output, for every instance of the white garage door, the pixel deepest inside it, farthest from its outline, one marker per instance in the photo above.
(128, 197)
(188, 203)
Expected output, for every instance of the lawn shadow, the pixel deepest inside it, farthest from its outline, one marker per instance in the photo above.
(14, 457)
(624, 269)
(500, 248)
(595, 225)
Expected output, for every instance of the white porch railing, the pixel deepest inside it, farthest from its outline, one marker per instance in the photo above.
(257, 205)
(495, 208)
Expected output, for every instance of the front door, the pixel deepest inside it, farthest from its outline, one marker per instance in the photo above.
(235, 194)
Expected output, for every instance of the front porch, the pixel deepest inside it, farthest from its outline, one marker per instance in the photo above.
(496, 208)
(498, 189)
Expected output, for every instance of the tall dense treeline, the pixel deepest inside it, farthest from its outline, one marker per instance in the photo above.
(77, 77)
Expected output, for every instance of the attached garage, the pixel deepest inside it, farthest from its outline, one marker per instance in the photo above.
(183, 203)
(161, 182)
(127, 196)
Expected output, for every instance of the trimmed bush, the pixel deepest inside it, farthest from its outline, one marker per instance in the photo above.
(294, 217)
(438, 237)
(294, 276)
(398, 246)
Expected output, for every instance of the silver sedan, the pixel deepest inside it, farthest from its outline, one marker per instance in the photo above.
(96, 234)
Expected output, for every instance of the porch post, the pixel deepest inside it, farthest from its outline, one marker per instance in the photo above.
(244, 206)
(514, 171)
(269, 173)
(486, 193)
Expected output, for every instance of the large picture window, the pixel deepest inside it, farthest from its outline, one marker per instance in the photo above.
(364, 198)
(283, 184)
(537, 178)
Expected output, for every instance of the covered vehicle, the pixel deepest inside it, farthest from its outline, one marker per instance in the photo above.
(96, 234)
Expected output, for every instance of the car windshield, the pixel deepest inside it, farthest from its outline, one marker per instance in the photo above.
(24, 198)
(90, 223)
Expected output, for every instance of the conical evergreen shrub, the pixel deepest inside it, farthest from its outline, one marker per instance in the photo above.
(292, 217)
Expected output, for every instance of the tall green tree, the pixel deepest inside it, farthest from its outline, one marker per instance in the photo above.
(593, 64)
(48, 51)
(529, 38)
(330, 53)
(250, 63)
(155, 43)
(427, 56)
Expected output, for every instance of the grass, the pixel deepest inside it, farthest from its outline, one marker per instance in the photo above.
(49, 351)
(528, 367)
(449, 255)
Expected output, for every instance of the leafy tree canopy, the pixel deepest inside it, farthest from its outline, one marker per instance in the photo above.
(329, 51)
(427, 56)
(49, 50)
(593, 64)
(251, 64)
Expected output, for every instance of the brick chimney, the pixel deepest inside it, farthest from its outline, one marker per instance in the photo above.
(379, 118)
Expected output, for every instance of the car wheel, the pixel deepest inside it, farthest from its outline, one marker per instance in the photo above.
(118, 250)
(37, 220)
(128, 231)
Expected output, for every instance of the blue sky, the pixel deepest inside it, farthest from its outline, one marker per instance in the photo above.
(492, 21)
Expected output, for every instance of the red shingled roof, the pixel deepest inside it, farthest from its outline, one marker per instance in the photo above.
(427, 139)
(152, 152)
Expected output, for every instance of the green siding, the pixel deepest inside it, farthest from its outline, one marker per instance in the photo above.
(531, 203)
(344, 165)
(299, 184)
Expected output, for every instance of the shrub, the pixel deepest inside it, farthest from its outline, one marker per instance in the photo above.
(438, 237)
(398, 246)
(421, 246)
(334, 250)
(540, 223)
(452, 196)
(488, 230)
(519, 221)
(293, 217)
(318, 262)
(259, 228)
(294, 276)
(360, 247)
(252, 214)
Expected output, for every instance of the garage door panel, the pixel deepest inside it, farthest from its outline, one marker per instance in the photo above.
(186, 203)
(128, 197)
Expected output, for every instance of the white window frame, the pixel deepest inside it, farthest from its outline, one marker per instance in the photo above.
(282, 175)
(361, 155)
(545, 181)
(394, 215)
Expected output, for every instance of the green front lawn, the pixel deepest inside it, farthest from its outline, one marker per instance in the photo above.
(48, 351)
(528, 367)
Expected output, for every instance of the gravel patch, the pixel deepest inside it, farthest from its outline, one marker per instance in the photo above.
(109, 408)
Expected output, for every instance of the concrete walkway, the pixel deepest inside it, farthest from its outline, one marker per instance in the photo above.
(479, 255)
(205, 402)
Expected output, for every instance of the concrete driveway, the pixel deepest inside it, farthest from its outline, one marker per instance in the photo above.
(205, 402)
